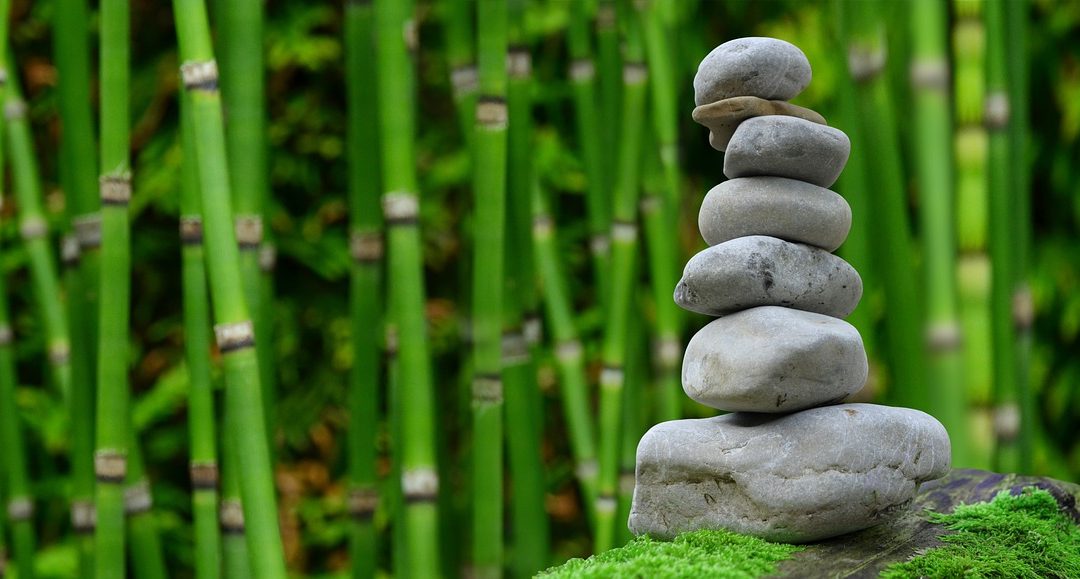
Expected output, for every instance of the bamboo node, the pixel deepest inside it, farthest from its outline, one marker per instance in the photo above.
(611, 377)
(20, 509)
(1023, 308)
(15, 110)
(606, 504)
(267, 257)
(568, 351)
(137, 498)
(410, 35)
(59, 353)
(7, 336)
(88, 230)
(391, 338)
(235, 336)
(491, 112)
(3, 77)
(996, 111)
(518, 62)
(668, 351)
(115, 189)
(515, 349)
(464, 80)
(110, 466)
(204, 475)
(605, 16)
(487, 389)
(83, 517)
(626, 482)
(624, 231)
(366, 246)
(533, 329)
(930, 73)
(362, 502)
(191, 232)
(943, 337)
(600, 244)
(200, 75)
(542, 226)
(1007, 421)
(582, 70)
(635, 73)
(649, 204)
(400, 208)
(865, 64)
(69, 250)
(231, 517)
(33, 228)
(249, 231)
(587, 469)
(420, 484)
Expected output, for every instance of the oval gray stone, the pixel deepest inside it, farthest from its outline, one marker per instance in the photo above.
(783, 146)
(773, 359)
(795, 477)
(767, 68)
(752, 271)
(785, 208)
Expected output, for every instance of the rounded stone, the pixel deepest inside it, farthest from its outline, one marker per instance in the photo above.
(783, 146)
(785, 208)
(795, 477)
(753, 271)
(723, 117)
(767, 68)
(773, 359)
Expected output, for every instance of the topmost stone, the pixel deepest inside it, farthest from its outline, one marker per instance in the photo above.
(766, 68)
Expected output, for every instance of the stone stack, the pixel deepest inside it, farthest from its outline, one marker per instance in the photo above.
(791, 462)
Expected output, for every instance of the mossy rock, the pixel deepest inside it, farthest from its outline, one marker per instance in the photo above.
(1024, 532)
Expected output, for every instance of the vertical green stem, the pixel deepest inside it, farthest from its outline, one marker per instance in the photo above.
(461, 59)
(147, 557)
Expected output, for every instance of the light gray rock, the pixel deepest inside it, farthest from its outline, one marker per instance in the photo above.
(783, 146)
(785, 208)
(723, 117)
(767, 68)
(753, 271)
(794, 477)
(773, 359)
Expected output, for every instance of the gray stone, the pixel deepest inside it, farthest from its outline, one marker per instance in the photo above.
(791, 210)
(773, 359)
(767, 68)
(794, 477)
(723, 117)
(753, 271)
(783, 146)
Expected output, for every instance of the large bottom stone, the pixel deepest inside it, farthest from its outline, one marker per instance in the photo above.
(797, 478)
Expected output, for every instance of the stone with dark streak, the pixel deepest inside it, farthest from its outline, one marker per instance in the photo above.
(767, 68)
(782, 146)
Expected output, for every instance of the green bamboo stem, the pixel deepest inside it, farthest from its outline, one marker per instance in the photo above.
(892, 246)
(236, 559)
(586, 121)
(202, 425)
(610, 89)
(624, 249)
(569, 354)
(461, 59)
(933, 165)
(395, 33)
(147, 558)
(635, 418)
(663, 95)
(365, 297)
(233, 329)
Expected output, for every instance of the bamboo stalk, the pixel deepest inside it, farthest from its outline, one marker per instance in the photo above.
(461, 60)
(365, 297)
(395, 33)
(202, 425)
(610, 89)
(930, 82)
(624, 232)
(635, 417)
(147, 558)
(233, 329)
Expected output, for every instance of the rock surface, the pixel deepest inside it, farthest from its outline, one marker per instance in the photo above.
(782, 146)
(784, 208)
(773, 359)
(767, 68)
(764, 271)
(796, 477)
(723, 117)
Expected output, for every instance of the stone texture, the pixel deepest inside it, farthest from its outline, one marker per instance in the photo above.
(773, 359)
(767, 68)
(785, 208)
(783, 146)
(795, 477)
(723, 117)
(764, 271)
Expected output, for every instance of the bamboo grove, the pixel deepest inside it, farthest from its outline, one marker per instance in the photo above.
(384, 286)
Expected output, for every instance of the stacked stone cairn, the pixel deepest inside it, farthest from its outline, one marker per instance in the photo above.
(791, 462)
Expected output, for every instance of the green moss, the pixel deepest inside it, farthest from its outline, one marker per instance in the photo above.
(719, 554)
(1025, 535)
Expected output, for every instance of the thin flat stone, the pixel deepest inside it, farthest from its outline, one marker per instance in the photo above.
(795, 477)
(785, 208)
(753, 271)
(767, 68)
(783, 146)
(773, 359)
(723, 117)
